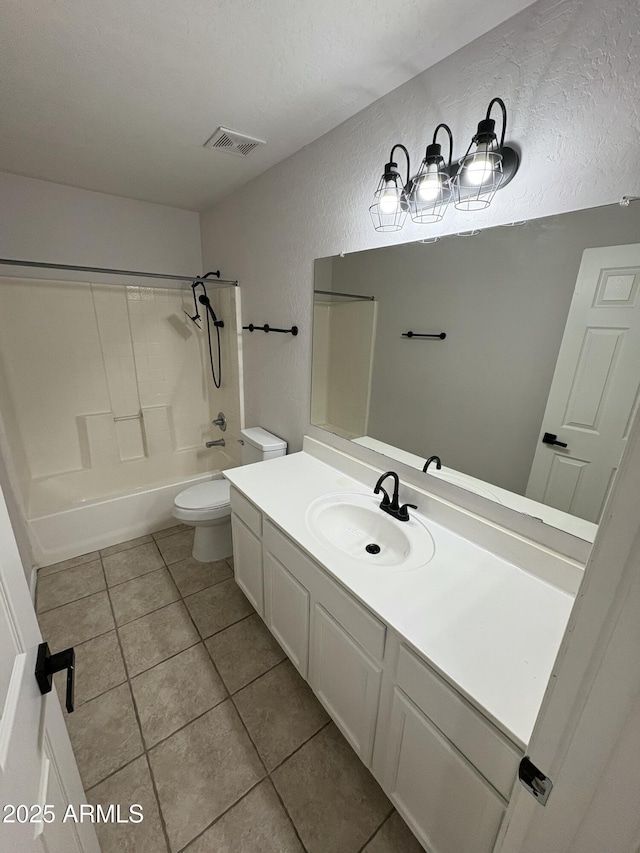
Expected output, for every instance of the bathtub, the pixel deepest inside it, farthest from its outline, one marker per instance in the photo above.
(97, 524)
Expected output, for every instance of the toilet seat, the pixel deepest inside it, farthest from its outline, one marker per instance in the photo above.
(203, 502)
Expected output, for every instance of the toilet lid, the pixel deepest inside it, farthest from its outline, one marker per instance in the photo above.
(204, 495)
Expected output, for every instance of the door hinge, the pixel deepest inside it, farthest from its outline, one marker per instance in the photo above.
(535, 781)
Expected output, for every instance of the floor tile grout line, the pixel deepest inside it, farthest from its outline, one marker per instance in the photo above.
(215, 633)
(253, 680)
(196, 591)
(222, 814)
(104, 692)
(161, 568)
(135, 577)
(121, 550)
(139, 724)
(376, 830)
(66, 568)
(164, 660)
(71, 601)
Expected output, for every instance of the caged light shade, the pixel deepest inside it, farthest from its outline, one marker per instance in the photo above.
(431, 189)
(389, 207)
(480, 172)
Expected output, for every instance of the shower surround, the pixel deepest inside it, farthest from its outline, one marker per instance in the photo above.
(105, 392)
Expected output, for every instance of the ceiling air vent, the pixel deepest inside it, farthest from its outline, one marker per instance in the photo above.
(233, 142)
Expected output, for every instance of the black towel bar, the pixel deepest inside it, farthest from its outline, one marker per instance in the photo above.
(441, 335)
(267, 328)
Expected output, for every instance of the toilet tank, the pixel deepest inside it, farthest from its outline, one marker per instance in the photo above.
(260, 445)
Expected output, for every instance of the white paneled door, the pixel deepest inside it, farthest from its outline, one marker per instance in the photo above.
(594, 393)
(39, 778)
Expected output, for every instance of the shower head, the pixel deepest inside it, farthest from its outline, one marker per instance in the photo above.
(203, 299)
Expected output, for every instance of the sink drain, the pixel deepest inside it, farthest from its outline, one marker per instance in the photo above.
(372, 548)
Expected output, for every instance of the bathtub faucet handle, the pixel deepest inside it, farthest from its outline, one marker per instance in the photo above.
(220, 421)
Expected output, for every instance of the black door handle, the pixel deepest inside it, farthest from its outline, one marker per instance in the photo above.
(552, 438)
(47, 665)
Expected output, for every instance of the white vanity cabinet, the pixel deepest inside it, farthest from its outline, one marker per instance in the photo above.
(246, 529)
(448, 770)
(316, 620)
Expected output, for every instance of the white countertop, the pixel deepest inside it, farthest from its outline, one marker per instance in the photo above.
(491, 629)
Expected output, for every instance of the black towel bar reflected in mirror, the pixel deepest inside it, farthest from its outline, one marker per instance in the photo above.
(441, 335)
(267, 328)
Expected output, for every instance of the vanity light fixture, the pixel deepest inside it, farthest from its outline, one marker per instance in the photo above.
(481, 171)
(471, 183)
(431, 189)
(389, 207)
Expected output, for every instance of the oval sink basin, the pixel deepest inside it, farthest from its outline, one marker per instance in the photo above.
(356, 527)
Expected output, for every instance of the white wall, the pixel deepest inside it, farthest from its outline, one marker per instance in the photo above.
(569, 72)
(43, 221)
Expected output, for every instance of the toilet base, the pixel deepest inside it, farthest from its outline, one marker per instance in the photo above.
(213, 541)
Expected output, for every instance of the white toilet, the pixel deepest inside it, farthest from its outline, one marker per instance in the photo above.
(206, 506)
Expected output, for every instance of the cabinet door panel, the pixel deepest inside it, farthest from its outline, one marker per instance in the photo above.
(247, 562)
(496, 758)
(287, 612)
(346, 681)
(449, 806)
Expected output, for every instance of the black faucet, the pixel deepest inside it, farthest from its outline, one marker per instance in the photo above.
(431, 459)
(392, 505)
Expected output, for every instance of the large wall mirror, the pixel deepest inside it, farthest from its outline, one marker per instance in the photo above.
(529, 397)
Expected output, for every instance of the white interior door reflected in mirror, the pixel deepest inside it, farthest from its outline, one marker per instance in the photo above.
(594, 392)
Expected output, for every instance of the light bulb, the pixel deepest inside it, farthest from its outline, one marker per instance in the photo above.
(430, 185)
(479, 169)
(389, 200)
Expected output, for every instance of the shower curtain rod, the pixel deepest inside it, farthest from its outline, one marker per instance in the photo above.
(346, 295)
(76, 268)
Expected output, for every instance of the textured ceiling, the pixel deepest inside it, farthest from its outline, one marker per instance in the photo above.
(119, 96)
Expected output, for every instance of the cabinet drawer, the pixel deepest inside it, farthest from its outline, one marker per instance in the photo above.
(485, 747)
(250, 514)
(446, 802)
(363, 626)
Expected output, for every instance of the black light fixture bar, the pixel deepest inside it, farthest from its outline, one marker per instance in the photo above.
(267, 328)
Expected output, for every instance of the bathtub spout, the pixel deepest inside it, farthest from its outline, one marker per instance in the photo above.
(219, 443)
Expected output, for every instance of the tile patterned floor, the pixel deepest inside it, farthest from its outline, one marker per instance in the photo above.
(186, 704)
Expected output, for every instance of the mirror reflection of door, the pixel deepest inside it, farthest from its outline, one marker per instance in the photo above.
(594, 392)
